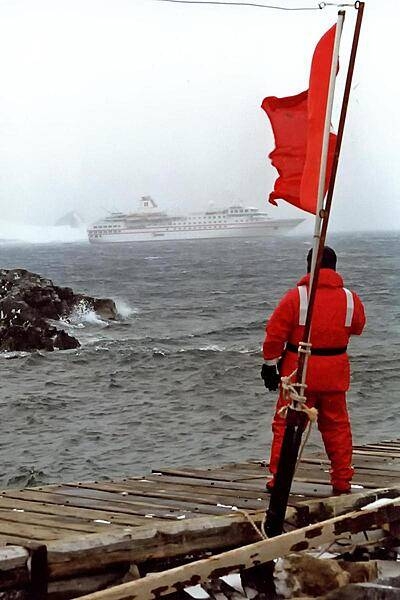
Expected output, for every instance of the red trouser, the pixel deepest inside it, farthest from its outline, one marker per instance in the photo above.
(334, 425)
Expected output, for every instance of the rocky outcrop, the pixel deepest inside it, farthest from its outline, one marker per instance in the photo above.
(303, 575)
(28, 300)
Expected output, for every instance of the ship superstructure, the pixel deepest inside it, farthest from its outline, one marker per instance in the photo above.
(150, 224)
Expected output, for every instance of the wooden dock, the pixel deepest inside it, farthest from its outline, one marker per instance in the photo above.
(67, 540)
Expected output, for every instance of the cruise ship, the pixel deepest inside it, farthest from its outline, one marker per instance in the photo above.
(150, 224)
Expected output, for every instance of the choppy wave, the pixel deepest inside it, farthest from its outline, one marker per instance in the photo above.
(12, 355)
(26, 477)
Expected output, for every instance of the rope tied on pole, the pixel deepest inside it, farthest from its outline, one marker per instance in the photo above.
(295, 398)
(260, 531)
(294, 391)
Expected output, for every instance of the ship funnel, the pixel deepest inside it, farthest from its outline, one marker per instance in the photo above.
(147, 203)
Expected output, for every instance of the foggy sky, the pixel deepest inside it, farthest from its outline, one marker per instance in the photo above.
(105, 101)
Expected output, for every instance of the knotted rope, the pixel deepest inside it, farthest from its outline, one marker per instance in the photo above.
(294, 394)
(260, 531)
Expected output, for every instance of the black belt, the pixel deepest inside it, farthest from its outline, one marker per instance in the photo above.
(318, 351)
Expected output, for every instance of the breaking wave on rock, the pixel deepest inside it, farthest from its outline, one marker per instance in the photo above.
(83, 314)
(124, 310)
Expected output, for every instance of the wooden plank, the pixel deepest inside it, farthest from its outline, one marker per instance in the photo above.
(175, 507)
(258, 488)
(360, 463)
(201, 486)
(385, 446)
(385, 450)
(311, 489)
(313, 536)
(208, 474)
(32, 532)
(249, 465)
(395, 445)
(366, 452)
(92, 503)
(321, 456)
(172, 493)
(67, 523)
(85, 515)
(187, 486)
(223, 485)
(363, 478)
(316, 481)
(361, 472)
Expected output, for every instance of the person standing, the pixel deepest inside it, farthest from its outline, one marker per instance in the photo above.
(338, 313)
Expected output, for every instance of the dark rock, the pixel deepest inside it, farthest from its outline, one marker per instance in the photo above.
(64, 341)
(392, 581)
(27, 300)
(299, 575)
(105, 308)
(26, 338)
(15, 312)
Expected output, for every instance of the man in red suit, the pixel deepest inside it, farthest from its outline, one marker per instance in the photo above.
(338, 313)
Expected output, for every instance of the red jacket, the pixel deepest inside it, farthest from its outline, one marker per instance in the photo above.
(324, 373)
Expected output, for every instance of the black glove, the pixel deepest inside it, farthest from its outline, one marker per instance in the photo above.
(271, 377)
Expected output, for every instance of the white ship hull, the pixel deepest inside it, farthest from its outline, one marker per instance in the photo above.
(150, 234)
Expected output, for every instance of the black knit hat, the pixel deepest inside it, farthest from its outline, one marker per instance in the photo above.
(328, 259)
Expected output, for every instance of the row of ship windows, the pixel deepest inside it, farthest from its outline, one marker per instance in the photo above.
(197, 219)
(192, 220)
(106, 227)
(237, 220)
(205, 220)
(185, 228)
(111, 229)
(195, 227)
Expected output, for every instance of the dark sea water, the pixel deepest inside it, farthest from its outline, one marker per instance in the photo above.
(176, 380)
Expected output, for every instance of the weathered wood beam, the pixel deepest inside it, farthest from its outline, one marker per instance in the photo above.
(13, 567)
(175, 580)
(93, 552)
(320, 510)
(78, 586)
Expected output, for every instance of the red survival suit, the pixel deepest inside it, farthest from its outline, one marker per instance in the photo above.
(338, 313)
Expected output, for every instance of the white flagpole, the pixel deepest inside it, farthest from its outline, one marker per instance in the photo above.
(323, 164)
(325, 140)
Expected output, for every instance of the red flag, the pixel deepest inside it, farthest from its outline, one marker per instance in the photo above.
(298, 126)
